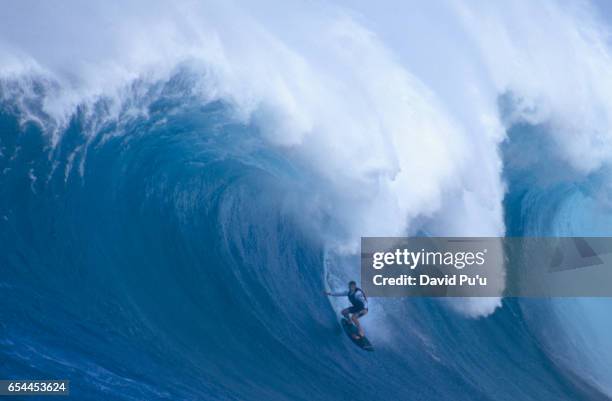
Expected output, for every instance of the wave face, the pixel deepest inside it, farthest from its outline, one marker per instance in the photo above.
(176, 198)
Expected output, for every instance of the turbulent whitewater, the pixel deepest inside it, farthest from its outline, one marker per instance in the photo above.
(180, 183)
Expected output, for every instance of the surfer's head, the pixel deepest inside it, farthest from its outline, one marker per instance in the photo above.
(352, 285)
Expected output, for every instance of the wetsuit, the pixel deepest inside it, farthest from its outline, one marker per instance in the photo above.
(357, 298)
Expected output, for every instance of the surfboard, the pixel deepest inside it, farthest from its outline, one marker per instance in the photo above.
(350, 330)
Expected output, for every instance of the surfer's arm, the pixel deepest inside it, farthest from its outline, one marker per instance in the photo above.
(338, 293)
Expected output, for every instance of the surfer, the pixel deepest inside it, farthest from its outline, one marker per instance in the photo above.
(359, 304)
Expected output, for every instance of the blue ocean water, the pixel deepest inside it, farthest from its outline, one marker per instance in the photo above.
(166, 257)
(181, 181)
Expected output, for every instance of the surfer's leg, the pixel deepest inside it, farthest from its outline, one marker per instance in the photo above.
(355, 319)
(345, 313)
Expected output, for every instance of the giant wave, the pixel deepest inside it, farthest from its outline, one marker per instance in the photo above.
(181, 183)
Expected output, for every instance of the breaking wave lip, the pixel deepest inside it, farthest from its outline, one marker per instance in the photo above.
(306, 141)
